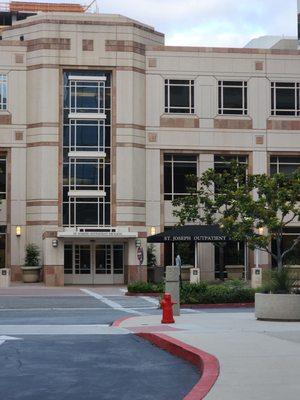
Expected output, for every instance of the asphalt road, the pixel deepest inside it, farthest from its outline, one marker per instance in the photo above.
(68, 361)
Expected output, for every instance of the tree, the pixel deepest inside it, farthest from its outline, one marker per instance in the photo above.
(251, 208)
(151, 256)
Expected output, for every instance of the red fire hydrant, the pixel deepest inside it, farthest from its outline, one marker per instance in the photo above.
(166, 305)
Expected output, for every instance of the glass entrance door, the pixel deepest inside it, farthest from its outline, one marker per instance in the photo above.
(94, 264)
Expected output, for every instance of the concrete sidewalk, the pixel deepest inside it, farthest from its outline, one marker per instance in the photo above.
(258, 360)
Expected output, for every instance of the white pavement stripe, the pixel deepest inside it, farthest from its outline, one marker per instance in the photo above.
(73, 309)
(61, 330)
(150, 300)
(110, 303)
(4, 338)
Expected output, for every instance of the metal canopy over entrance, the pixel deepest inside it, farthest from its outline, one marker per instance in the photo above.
(191, 233)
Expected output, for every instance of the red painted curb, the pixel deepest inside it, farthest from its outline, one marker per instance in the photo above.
(118, 322)
(206, 363)
(222, 305)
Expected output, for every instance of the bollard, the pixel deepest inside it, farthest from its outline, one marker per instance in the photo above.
(167, 311)
(172, 287)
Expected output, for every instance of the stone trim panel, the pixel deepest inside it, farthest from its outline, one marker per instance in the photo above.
(179, 122)
(49, 234)
(283, 125)
(40, 66)
(220, 123)
(131, 203)
(128, 46)
(41, 144)
(135, 145)
(48, 44)
(131, 126)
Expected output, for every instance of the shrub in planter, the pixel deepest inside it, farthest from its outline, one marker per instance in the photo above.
(204, 293)
(31, 268)
(145, 287)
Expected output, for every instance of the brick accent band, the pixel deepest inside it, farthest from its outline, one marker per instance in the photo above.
(179, 122)
(43, 144)
(48, 44)
(43, 125)
(131, 69)
(41, 203)
(40, 66)
(283, 125)
(131, 204)
(131, 126)
(5, 119)
(125, 46)
(135, 145)
(34, 223)
(225, 123)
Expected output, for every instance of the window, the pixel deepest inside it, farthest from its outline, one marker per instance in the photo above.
(222, 164)
(285, 98)
(234, 254)
(179, 96)
(3, 92)
(86, 135)
(284, 164)
(86, 92)
(87, 174)
(176, 170)
(289, 236)
(233, 97)
(2, 178)
(2, 246)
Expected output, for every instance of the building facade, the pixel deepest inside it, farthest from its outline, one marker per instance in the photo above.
(100, 122)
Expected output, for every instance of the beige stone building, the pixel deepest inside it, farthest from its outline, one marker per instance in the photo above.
(100, 122)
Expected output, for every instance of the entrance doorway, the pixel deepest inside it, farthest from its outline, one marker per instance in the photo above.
(92, 264)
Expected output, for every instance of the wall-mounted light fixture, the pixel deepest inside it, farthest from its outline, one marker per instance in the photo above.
(152, 230)
(54, 243)
(18, 231)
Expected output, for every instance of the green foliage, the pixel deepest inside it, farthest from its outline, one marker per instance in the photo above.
(183, 249)
(145, 287)
(204, 293)
(241, 214)
(32, 256)
(279, 282)
(151, 256)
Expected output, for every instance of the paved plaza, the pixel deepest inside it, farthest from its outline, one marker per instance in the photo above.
(59, 343)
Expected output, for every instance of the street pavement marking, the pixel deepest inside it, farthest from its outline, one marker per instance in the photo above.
(72, 309)
(98, 329)
(110, 303)
(4, 338)
(150, 300)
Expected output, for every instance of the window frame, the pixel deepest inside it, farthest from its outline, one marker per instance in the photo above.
(3, 84)
(172, 195)
(275, 87)
(243, 110)
(277, 163)
(176, 109)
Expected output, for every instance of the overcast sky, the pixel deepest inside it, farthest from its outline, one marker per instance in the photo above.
(210, 22)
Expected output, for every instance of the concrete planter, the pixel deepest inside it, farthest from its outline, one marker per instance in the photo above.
(278, 307)
(31, 274)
